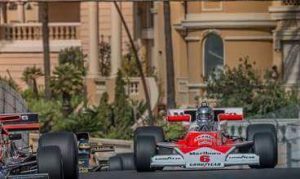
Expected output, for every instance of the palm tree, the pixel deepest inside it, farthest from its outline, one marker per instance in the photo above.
(30, 76)
(169, 57)
(67, 80)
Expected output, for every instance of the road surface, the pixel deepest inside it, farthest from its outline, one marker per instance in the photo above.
(278, 173)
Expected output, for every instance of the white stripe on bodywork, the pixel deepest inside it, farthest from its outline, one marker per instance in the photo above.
(192, 159)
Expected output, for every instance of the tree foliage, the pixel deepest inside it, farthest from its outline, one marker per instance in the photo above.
(123, 114)
(73, 56)
(129, 66)
(104, 58)
(66, 79)
(241, 86)
(30, 76)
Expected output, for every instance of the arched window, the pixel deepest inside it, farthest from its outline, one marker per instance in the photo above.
(213, 54)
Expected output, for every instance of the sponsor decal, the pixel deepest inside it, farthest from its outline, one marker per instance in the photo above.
(168, 158)
(205, 153)
(242, 157)
(204, 158)
(205, 142)
(24, 118)
(205, 164)
(203, 137)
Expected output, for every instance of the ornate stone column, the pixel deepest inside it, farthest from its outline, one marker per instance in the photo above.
(3, 15)
(116, 43)
(21, 12)
(93, 68)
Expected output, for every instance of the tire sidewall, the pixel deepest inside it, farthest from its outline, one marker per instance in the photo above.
(265, 147)
(155, 131)
(67, 143)
(49, 160)
(144, 150)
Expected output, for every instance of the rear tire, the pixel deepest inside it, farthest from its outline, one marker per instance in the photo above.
(144, 150)
(67, 143)
(115, 163)
(127, 160)
(49, 161)
(265, 147)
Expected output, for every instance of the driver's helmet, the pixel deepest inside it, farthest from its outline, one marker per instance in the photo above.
(205, 117)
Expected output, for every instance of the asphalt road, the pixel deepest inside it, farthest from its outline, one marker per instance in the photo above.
(278, 173)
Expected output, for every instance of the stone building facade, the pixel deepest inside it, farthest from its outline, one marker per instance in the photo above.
(206, 35)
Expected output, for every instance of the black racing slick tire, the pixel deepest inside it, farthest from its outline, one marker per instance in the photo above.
(265, 147)
(67, 143)
(144, 150)
(115, 163)
(253, 129)
(127, 160)
(49, 161)
(156, 132)
(262, 128)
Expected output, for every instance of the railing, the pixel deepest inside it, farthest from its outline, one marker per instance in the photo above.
(290, 2)
(120, 146)
(10, 100)
(33, 31)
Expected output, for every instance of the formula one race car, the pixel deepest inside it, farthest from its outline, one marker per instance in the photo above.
(206, 145)
(57, 152)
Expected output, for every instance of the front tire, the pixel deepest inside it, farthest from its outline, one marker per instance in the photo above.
(49, 161)
(265, 147)
(254, 129)
(154, 131)
(259, 128)
(144, 150)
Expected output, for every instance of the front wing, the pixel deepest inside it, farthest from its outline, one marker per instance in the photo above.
(204, 158)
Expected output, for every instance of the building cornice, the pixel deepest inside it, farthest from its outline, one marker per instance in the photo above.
(226, 20)
(284, 12)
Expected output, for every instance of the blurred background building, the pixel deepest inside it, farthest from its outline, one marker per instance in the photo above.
(206, 35)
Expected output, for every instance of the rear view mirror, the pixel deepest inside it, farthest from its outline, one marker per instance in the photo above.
(15, 136)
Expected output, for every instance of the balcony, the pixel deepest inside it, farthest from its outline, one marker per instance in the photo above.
(61, 35)
(290, 2)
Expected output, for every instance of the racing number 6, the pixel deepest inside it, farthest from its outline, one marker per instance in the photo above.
(204, 158)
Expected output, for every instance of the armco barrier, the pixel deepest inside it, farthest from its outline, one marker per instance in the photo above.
(288, 133)
(120, 145)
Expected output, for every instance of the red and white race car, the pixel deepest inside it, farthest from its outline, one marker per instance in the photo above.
(206, 149)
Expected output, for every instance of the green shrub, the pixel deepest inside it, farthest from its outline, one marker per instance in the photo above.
(259, 97)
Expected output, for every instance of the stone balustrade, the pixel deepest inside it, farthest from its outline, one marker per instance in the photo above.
(33, 31)
(290, 2)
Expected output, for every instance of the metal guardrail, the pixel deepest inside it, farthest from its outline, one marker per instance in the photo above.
(288, 134)
(120, 145)
(10, 100)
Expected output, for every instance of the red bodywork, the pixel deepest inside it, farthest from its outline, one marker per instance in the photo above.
(15, 122)
(198, 139)
(194, 140)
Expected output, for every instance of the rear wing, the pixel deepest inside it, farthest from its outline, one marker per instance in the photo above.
(220, 114)
(19, 122)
